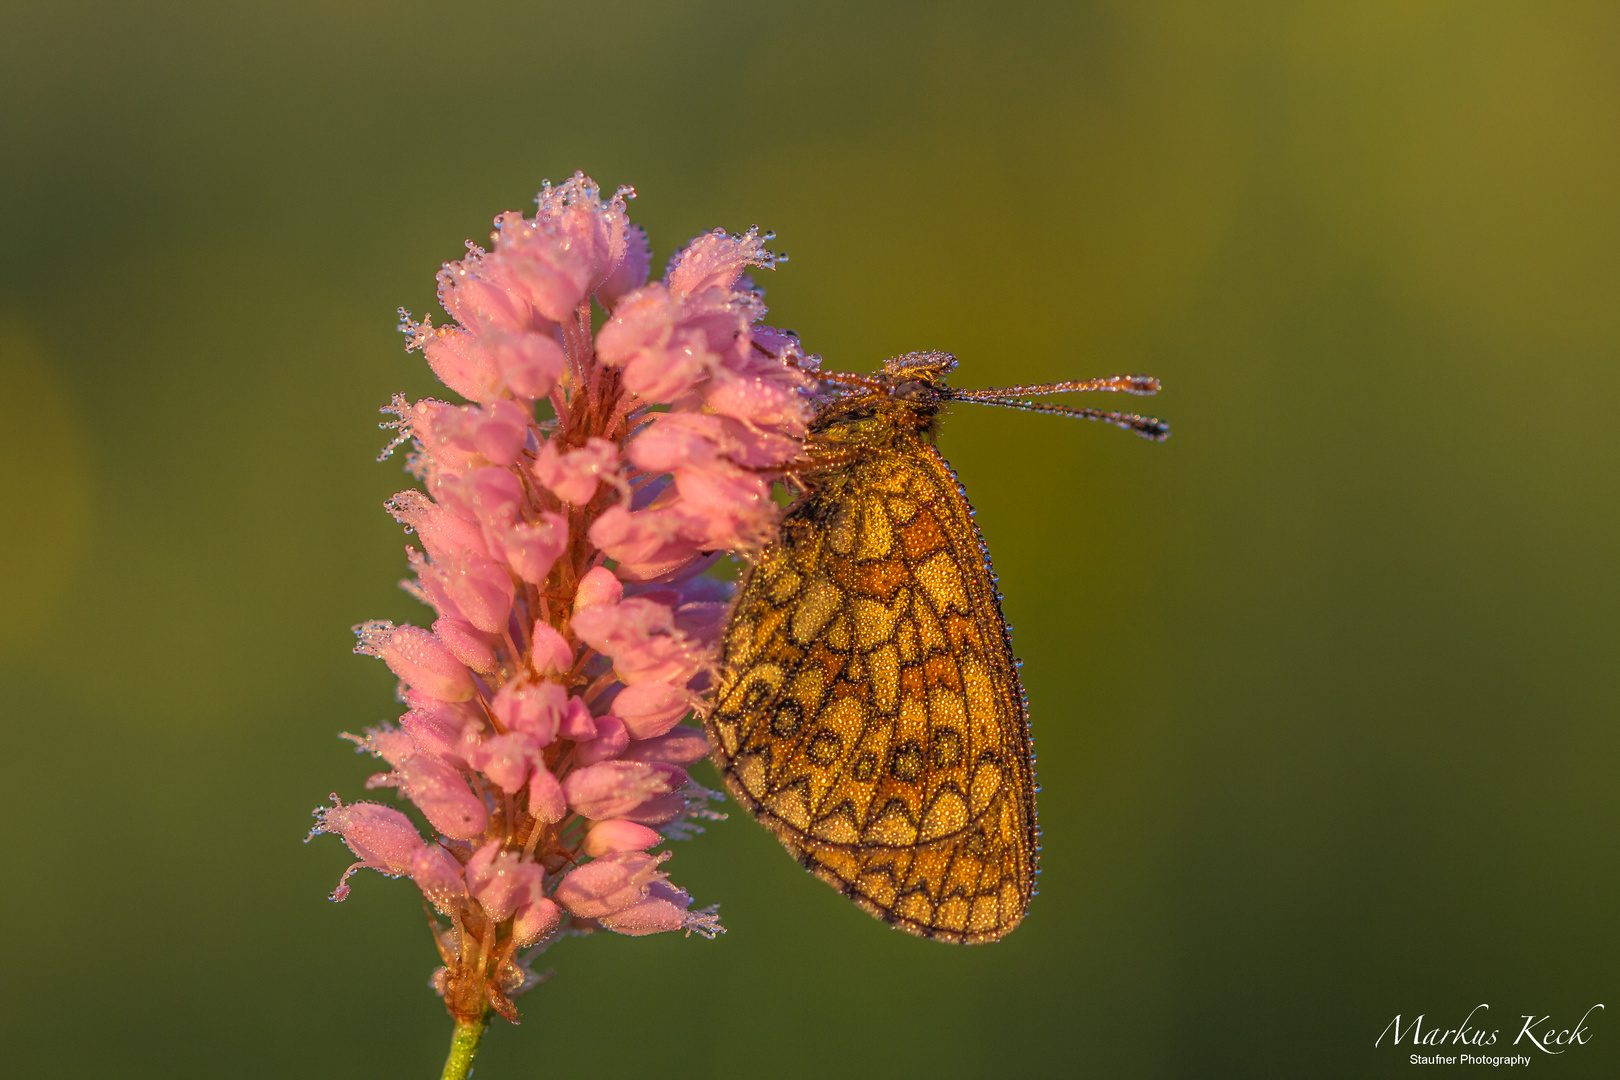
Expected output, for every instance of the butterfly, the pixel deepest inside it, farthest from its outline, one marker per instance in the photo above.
(869, 710)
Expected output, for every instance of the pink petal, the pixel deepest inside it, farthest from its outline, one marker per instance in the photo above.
(438, 874)
(444, 535)
(716, 260)
(573, 476)
(678, 746)
(388, 743)
(481, 589)
(529, 364)
(466, 643)
(610, 788)
(659, 811)
(506, 759)
(608, 884)
(663, 910)
(674, 440)
(611, 741)
(531, 548)
(497, 497)
(650, 709)
(444, 798)
(631, 272)
(419, 659)
(437, 727)
(380, 835)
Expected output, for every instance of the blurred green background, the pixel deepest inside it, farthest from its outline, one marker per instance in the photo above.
(1324, 689)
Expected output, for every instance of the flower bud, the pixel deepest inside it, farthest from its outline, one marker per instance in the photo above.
(552, 655)
(534, 921)
(482, 590)
(607, 837)
(506, 759)
(546, 799)
(380, 835)
(529, 364)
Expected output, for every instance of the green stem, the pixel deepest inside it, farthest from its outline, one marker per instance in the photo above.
(463, 1045)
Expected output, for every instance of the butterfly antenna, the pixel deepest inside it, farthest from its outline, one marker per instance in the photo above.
(1114, 384)
(1149, 427)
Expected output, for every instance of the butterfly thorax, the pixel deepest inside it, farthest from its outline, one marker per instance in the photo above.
(901, 404)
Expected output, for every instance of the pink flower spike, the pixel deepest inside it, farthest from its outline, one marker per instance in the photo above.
(608, 884)
(564, 559)
(546, 799)
(438, 874)
(598, 586)
(441, 793)
(607, 837)
(611, 741)
(611, 788)
(535, 921)
(466, 644)
(419, 659)
(503, 882)
(550, 652)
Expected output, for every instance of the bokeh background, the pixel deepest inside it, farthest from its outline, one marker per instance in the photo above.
(1324, 688)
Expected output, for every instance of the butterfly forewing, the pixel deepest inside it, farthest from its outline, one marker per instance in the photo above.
(870, 711)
